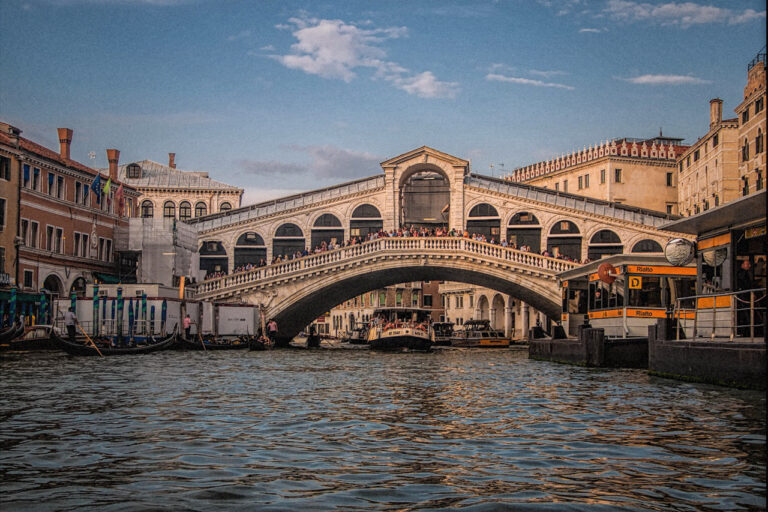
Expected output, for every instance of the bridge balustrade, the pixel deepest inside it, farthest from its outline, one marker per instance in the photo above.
(397, 245)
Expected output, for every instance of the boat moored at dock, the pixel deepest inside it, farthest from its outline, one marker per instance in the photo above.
(398, 328)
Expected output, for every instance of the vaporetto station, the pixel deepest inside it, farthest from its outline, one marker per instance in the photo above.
(422, 187)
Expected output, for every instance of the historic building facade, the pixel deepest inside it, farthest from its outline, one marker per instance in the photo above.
(637, 172)
(752, 129)
(168, 192)
(9, 206)
(66, 237)
(708, 170)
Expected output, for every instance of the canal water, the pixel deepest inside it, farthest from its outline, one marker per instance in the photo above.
(353, 430)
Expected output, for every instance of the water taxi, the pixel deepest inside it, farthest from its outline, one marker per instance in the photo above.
(358, 335)
(479, 334)
(400, 329)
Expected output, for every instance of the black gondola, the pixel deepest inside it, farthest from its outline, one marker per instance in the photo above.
(9, 334)
(35, 337)
(81, 347)
(261, 343)
(214, 343)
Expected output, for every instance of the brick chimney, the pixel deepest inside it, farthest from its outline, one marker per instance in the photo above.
(65, 142)
(715, 112)
(172, 160)
(113, 155)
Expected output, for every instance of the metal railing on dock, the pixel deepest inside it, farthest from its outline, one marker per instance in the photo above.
(725, 315)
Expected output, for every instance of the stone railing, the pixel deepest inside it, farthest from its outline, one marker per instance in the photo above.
(399, 246)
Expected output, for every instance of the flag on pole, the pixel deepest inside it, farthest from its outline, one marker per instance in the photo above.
(120, 200)
(96, 187)
(107, 186)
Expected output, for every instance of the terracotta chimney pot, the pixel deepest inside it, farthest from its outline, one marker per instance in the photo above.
(65, 142)
(113, 155)
(172, 160)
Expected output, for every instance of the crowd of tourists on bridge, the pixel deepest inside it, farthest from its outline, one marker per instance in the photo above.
(375, 235)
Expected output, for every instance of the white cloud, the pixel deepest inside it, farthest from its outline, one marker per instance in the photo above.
(684, 14)
(665, 80)
(325, 162)
(546, 74)
(335, 49)
(590, 31)
(525, 81)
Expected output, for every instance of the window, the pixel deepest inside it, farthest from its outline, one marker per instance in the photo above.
(78, 188)
(25, 177)
(581, 182)
(2, 260)
(382, 298)
(745, 116)
(76, 246)
(51, 183)
(759, 104)
(759, 142)
(28, 278)
(586, 181)
(2, 214)
(688, 161)
(59, 247)
(185, 210)
(60, 187)
(565, 185)
(5, 168)
(84, 240)
(717, 199)
(617, 175)
(201, 209)
(745, 150)
(133, 171)
(669, 209)
(399, 299)
(669, 179)
(557, 186)
(147, 209)
(225, 207)
(169, 210)
(427, 301)
(24, 229)
(759, 182)
(49, 238)
(715, 139)
(85, 194)
(414, 299)
(33, 229)
(696, 156)
(101, 248)
(745, 188)
(108, 254)
(471, 301)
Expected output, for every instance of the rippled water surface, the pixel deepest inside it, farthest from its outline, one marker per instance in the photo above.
(351, 430)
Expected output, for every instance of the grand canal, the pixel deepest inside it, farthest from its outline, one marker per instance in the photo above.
(351, 430)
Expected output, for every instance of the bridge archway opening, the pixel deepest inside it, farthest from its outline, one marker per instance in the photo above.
(213, 257)
(604, 243)
(288, 240)
(250, 248)
(484, 220)
(296, 311)
(564, 240)
(647, 246)
(326, 228)
(425, 196)
(483, 310)
(524, 228)
(365, 219)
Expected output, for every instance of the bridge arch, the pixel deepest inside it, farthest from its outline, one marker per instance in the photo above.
(365, 218)
(645, 245)
(524, 228)
(483, 218)
(603, 242)
(213, 256)
(564, 237)
(287, 239)
(249, 247)
(297, 309)
(421, 167)
(498, 308)
(325, 227)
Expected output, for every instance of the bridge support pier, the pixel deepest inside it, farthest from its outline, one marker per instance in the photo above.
(525, 314)
(508, 322)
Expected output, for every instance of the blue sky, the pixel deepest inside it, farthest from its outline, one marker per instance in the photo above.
(284, 96)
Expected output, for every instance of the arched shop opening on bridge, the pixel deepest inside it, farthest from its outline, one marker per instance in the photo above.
(424, 200)
(604, 243)
(564, 240)
(213, 257)
(365, 219)
(484, 220)
(250, 248)
(647, 246)
(327, 228)
(288, 240)
(524, 229)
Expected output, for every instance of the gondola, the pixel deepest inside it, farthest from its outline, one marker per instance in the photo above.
(81, 347)
(8, 334)
(213, 343)
(260, 343)
(35, 337)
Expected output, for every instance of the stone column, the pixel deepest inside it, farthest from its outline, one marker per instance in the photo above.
(390, 215)
(492, 317)
(457, 199)
(525, 320)
(508, 322)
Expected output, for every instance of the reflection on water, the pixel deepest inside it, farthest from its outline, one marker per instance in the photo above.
(351, 430)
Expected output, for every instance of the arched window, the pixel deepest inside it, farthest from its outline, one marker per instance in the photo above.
(326, 228)
(133, 171)
(169, 210)
(647, 246)
(288, 240)
(147, 209)
(225, 207)
(185, 210)
(201, 209)
(759, 142)
(564, 240)
(524, 229)
(213, 257)
(365, 219)
(604, 243)
(484, 220)
(250, 248)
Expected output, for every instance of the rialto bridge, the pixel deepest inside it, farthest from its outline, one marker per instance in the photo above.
(423, 187)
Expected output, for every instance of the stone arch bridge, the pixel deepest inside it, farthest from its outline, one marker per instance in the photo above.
(532, 218)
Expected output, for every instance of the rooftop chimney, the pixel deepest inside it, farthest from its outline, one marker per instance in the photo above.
(715, 112)
(113, 156)
(172, 160)
(65, 141)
